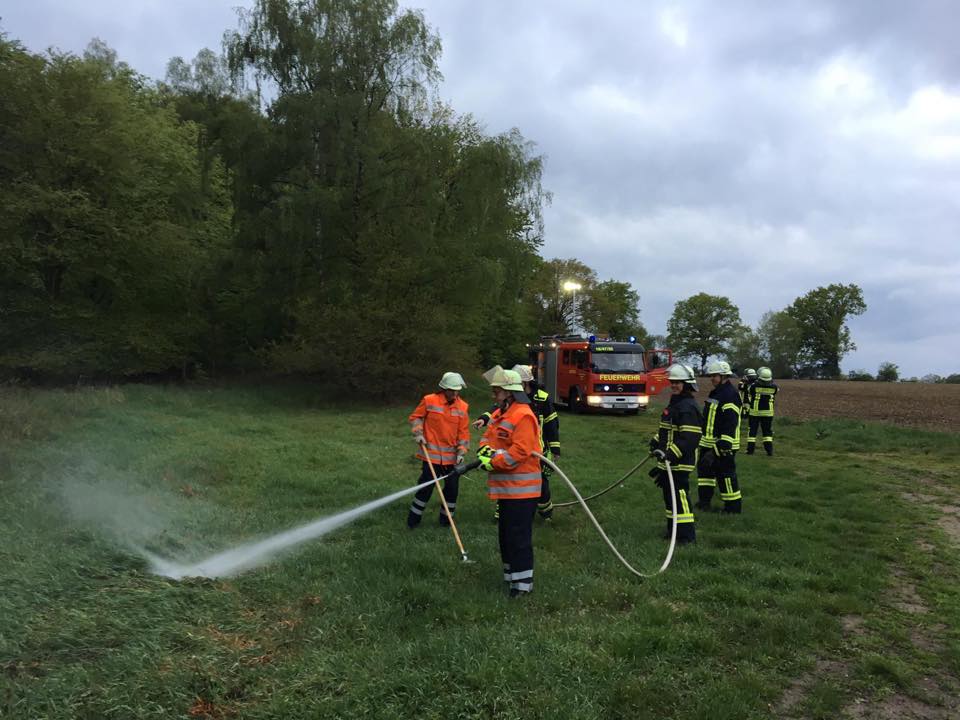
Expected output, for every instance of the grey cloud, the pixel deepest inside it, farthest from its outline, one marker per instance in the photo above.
(746, 148)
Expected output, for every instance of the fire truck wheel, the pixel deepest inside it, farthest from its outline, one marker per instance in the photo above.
(576, 401)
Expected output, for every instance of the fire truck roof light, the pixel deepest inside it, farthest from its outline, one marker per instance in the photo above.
(592, 338)
(633, 338)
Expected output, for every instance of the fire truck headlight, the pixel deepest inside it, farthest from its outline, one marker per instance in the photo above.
(606, 388)
(594, 399)
(643, 400)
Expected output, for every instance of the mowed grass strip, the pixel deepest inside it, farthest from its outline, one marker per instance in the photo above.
(838, 585)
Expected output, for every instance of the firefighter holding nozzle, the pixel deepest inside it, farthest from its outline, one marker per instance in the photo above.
(440, 424)
(506, 453)
(676, 442)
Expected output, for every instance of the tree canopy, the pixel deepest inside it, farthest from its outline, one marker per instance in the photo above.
(703, 325)
(821, 316)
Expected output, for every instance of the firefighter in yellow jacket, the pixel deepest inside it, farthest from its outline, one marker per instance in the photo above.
(513, 475)
(440, 422)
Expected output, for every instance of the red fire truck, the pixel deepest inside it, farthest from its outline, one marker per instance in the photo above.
(589, 373)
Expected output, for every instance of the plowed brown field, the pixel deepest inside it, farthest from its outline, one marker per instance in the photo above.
(919, 405)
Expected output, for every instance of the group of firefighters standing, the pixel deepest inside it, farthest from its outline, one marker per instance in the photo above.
(523, 422)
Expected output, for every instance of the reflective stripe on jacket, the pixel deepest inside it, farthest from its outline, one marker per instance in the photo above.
(679, 432)
(515, 436)
(721, 416)
(761, 398)
(549, 422)
(445, 427)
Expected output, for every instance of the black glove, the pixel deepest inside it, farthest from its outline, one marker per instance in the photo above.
(657, 475)
(654, 444)
(659, 455)
(463, 468)
(555, 452)
(724, 447)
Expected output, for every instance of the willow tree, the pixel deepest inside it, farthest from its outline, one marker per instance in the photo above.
(384, 219)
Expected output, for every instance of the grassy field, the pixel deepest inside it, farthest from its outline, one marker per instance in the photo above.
(835, 594)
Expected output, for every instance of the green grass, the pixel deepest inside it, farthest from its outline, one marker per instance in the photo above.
(376, 621)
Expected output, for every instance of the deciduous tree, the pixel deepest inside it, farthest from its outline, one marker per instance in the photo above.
(703, 325)
(821, 316)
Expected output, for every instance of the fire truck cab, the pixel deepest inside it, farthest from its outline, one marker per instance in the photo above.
(588, 373)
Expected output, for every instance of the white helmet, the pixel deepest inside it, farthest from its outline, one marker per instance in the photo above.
(683, 373)
(750, 373)
(452, 381)
(506, 379)
(525, 372)
(765, 373)
(719, 367)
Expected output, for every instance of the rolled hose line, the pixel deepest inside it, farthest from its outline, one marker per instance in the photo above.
(586, 509)
(607, 489)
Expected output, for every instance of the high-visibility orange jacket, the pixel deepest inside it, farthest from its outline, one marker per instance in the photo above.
(445, 427)
(515, 436)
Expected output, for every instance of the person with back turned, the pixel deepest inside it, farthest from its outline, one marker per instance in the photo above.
(762, 394)
(720, 442)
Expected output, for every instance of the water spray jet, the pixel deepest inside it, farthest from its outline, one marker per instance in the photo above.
(254, 554)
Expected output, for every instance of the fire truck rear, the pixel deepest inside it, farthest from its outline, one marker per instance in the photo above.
(589, 373)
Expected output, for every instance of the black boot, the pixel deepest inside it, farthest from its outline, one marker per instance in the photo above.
(686, 533)
(732, 507)
(667, 532)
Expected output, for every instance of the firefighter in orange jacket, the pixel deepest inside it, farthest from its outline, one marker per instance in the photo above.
(440, 422)
(513, 475)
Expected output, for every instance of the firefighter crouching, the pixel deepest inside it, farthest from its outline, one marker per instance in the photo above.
(762, 394)
(440, 422)
(676, 441)
(720, 442)
(513, 475)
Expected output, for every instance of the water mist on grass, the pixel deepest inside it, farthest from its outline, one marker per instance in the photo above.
(251, 555)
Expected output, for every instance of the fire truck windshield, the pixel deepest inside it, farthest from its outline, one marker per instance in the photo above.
(613, 362)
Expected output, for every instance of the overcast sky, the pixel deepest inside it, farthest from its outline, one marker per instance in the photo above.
(750, 149)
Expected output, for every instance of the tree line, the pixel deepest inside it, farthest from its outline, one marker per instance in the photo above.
(808, 338)
(301, 203)
(298, 203)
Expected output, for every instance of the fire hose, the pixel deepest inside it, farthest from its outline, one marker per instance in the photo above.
(608, 489)
(586, 509)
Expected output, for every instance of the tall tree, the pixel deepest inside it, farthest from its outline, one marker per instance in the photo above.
(107, 231)
(703, 325)
(384, 216)
(821, 315)
(558, 309)
(744, 349)
(612, 308)
(779, 336)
